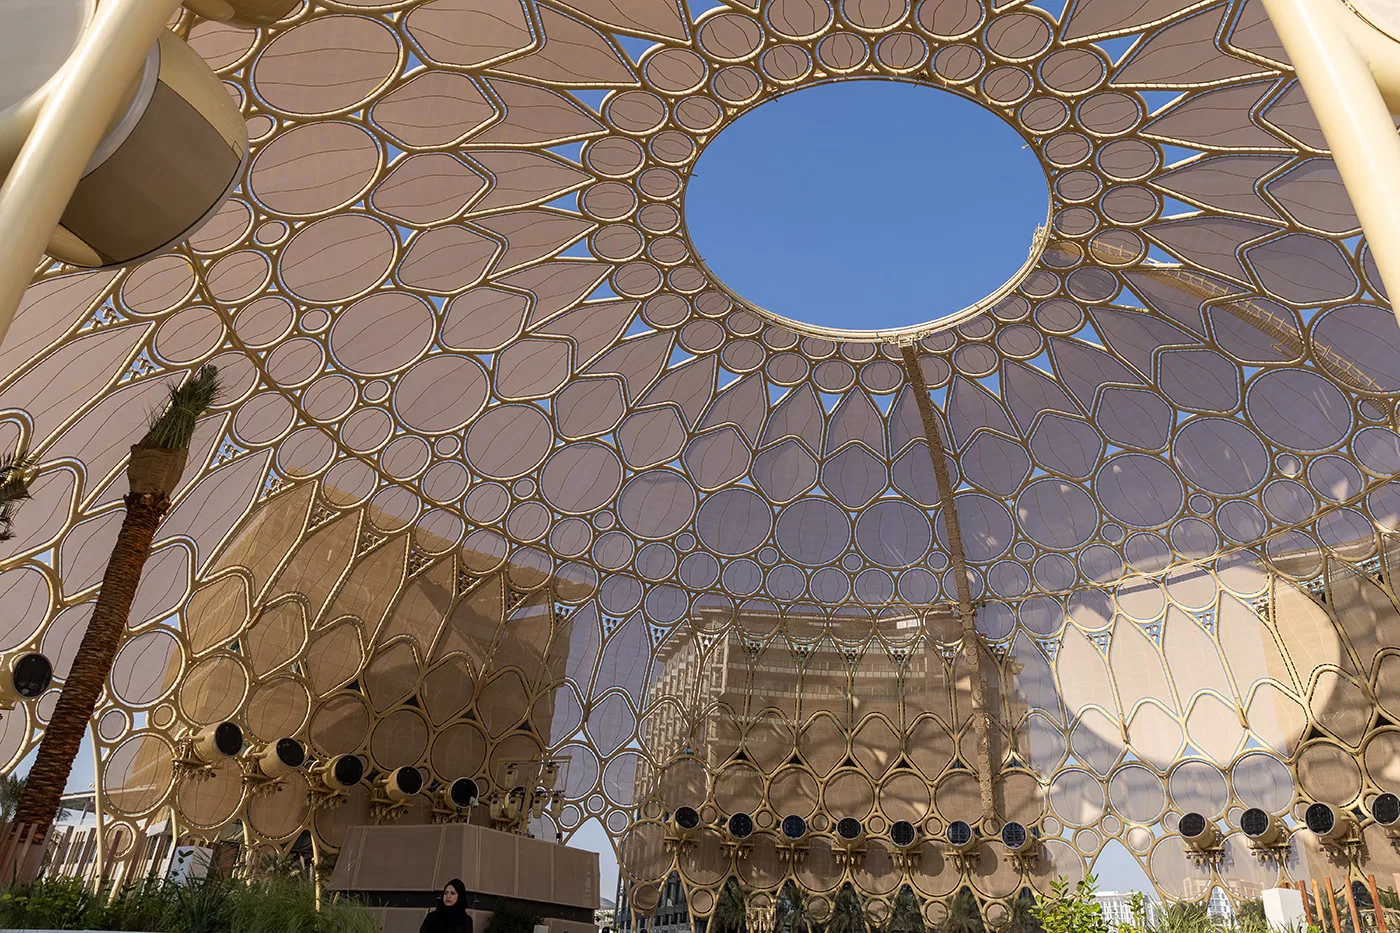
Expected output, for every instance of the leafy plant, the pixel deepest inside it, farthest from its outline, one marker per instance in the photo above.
(508, 919)
(153, 473)
(209, 905)
(1071, 909)
(791, 914)
(16, 472)
(847, 913)
(964, 914)
(1020, 915)
(905, 914)
(172, 427)
(731, 909)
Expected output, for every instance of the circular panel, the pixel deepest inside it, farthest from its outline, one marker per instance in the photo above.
(146, 667)
(508, 441)
(337, 258)
(1198, 787)
(326, 64)
(894, 533)
(358, 336)
(314, 167)
(1078, 797)
(1298, 410)
(1057, 514)
(1328, 773)
(734, 522)
(138, 774)
(813, 531)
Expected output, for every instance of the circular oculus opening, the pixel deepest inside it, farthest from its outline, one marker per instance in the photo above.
(858, 208)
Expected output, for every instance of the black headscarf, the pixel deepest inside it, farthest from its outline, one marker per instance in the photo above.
(454, 919)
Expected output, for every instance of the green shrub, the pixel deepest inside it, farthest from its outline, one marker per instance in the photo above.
(508, 919)
(212, 905)
(1071, 910)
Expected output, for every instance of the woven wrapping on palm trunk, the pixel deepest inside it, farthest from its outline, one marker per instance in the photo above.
(154, 470)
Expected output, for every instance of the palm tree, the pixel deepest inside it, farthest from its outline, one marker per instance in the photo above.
(847, 914)
(1020, 915)
(731, 909)
(964, 914)
(791, 915)
(154, 471)
(16, 471)
(905, 915)
(10, 789)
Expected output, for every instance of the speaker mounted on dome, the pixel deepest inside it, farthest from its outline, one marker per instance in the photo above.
(1022, 843)
(330, 781)
(905, 837)
(850, 841)
(792, 839)
(200, 751)
(24, 676)
(738, 835)
(453, 802)
(1267, 834)
(1335, 828)
(681, 828)
(963, 843)
(1385, 810)
(393, 791)
(265, 769)
(1200, 838)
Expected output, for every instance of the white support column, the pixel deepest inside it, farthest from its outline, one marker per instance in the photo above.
(94, 82)
(1354, 118)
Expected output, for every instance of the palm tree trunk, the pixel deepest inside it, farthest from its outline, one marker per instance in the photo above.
(39, 803)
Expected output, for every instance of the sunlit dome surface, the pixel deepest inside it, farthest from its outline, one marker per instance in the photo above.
(500, 468)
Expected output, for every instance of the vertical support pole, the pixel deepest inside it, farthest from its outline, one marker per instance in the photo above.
(1332, 905)
(1376, 903)
(981, 718)
(91, 87)
(1302, 887)
(1351, 905)
(1354, 119)
(1321, 910)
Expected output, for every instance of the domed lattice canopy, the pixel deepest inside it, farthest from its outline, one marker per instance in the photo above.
(500, 463)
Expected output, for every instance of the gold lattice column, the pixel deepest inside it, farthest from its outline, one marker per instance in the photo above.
(981, 717)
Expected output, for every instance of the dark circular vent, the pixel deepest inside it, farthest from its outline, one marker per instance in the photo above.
(1014, 835)
(408, 780)
(290, 752)
(741, 826)
(687, 817)
(848, 828)
(959, 833)
(228, 738)
(1320, 819)
(1255, 822)
(1386, 809)
(794, 826)
(902, 833)
(462, 792)
(32, 675)
(1192, 825)
(348, 770)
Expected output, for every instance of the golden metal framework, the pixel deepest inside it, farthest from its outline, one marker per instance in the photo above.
(497, 479)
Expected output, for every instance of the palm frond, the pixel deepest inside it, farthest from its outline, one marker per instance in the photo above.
(16, 473)
(905, 914)
(847, 913)
(172, 427)
(731, 909)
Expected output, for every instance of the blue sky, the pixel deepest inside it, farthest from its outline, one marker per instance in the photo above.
(866, 204)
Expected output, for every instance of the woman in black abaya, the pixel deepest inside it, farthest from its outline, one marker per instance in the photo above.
(450, 915)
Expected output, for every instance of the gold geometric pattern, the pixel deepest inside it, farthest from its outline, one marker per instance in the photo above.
(502, 468)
